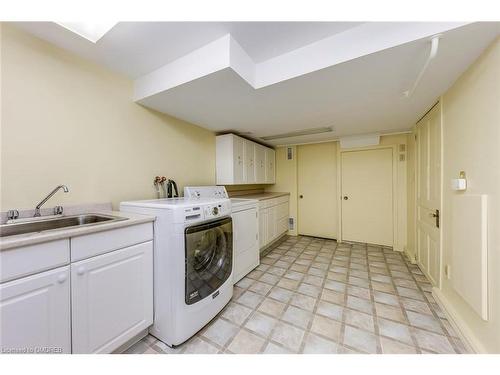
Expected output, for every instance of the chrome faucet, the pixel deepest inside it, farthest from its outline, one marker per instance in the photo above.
(37, 208)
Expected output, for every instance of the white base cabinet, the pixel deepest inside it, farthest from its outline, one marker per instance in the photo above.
(35, 313)
(96, 295)
(112, 298)
(273, 220)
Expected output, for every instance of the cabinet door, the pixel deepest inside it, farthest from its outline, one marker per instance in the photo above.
(246, 242)
(270, 166)
(249, 161)
(262, 227)
(35, 313)
(271, 223)
(238, 167)
(260, 164)
(112, 298)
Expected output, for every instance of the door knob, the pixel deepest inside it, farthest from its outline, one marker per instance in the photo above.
(346, 197)
(301, 196)
(80, 271)
(435, 215)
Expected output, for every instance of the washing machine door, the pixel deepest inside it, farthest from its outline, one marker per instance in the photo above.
(209, 258)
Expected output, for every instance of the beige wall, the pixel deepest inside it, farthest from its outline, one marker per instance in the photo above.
(65, 120)
(236, 189)
(286, 180)
(471, 143)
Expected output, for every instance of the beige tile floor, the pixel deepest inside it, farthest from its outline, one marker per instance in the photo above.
(311, 295)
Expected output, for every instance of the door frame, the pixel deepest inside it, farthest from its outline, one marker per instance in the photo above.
(439, 105)
(336, 237)
(395, 188)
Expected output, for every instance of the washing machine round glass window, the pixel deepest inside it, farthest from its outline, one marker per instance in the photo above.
(209, 258)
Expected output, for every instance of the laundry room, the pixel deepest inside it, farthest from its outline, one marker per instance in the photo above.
(249, 186)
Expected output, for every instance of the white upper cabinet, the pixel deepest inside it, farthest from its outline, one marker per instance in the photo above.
(231, 168)
(241, 161)
(260, 163)
(270, 166)
(249, 162)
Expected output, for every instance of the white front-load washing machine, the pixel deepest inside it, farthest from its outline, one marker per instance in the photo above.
(193, 262)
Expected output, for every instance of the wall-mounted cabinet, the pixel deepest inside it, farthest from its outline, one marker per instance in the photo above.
(241, 161)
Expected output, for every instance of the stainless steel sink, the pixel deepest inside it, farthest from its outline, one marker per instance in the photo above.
(57, 223)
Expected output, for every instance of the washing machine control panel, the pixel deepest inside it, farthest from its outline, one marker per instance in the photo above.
(205, 192)
(214, 210)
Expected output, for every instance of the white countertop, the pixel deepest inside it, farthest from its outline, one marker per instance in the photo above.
(57, 234)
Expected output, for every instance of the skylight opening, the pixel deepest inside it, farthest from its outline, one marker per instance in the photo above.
(92, 31)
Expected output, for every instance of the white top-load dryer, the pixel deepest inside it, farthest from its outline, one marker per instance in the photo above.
(245, 214)
(193, 262)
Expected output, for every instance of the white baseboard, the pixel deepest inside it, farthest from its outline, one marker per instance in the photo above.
(463, 331)
(410, 255)
(399, 248)
(132, 341)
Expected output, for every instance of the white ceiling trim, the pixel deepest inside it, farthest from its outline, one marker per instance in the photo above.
(226, 52)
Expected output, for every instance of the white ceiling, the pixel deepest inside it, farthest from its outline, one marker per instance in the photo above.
(270, 78)
(137, 48)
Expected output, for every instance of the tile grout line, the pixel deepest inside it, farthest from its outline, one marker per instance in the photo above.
(434, 314)
(403, 309)
(310, 249)
(372, 299)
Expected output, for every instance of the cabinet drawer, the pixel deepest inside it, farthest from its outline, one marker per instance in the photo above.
(103, 242)
(27, 260)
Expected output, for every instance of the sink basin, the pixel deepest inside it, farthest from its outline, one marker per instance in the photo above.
(57, 223)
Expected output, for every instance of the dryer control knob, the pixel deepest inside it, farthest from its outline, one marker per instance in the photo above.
(215, 211)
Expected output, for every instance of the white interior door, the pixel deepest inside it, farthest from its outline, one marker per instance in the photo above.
(317, 188)
(367, 196)
(429, 193)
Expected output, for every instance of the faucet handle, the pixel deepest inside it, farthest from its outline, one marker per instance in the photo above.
(12, 214)
(58, 210)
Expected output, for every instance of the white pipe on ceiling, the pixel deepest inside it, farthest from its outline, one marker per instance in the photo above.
(432, 54)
